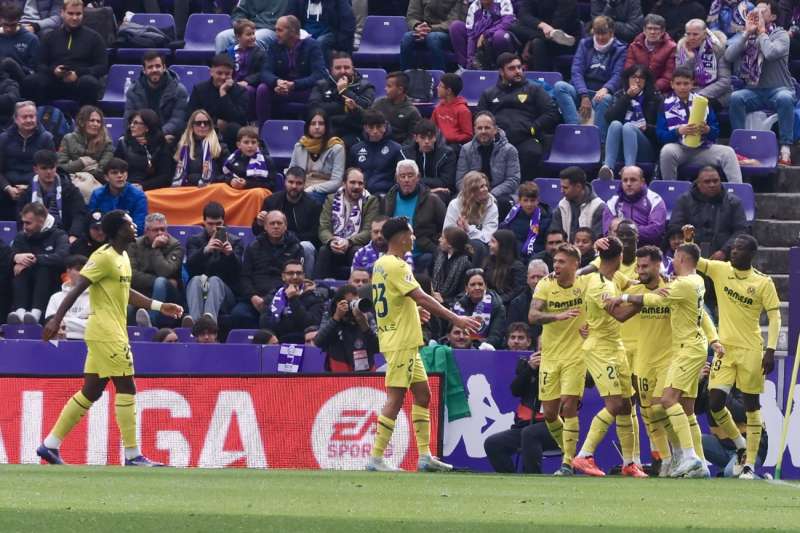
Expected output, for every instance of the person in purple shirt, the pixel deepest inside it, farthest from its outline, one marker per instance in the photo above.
(636, 202)
(376, 247)
(484, 35)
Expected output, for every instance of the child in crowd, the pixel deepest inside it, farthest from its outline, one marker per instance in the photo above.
(248, 58)
(529, 220)
(584, 242)
(249, 166)
(452, 115)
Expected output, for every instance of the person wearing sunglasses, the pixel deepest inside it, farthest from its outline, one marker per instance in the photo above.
(200, 154)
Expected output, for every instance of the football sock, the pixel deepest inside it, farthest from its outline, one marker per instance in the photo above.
(570, 435)
(597, 431)
(625, 436)
(728, 427)
(70, 415)
(680, 425)
(754, 430)
(637, 453)
(382, 436)
(125, 413)
(421, 419)
(658, 431)
(556, 429)
(697, 436)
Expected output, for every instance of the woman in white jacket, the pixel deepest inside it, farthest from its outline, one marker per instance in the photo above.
(475, 211)
(74, 324)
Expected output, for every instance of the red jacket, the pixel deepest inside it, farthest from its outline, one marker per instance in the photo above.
(454, 120)
(660, 61)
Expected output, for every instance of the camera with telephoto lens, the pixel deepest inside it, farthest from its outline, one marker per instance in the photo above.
(362, 304)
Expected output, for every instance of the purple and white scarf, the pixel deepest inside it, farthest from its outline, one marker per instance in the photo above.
(280, 304)
(753, 59)
(677, 113)
(482, 311)
(181, 178)
(256, 167)
(241, 60)
(37, 196)
(705, 60)
(533, 227)
(738, 10)
(345, 224)
(365, 257)
(635, 112)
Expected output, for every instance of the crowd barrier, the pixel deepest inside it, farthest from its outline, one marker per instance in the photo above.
(252, 403)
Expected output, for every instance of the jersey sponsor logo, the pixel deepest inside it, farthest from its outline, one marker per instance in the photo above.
(125, 279)
(576, 302)
(655, 310)
(734, 295)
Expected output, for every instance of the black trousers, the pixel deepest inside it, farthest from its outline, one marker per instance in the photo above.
(530, 155)
(541, 52)
(530, 441)
(333, 265)
(33, 286)
(42, 88)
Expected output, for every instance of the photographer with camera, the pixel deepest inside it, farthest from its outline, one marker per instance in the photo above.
(293, 306)
(348, 335)
(214, 263)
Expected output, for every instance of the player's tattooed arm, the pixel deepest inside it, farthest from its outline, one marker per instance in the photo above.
(54, 324)
(536, 315)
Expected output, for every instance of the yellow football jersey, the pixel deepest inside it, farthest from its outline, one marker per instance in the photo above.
(685, 301)
(604, 329)
(110, 274)
(741, 296)
(398, 319)
(630, 328)
(654, 331)
(561, 338)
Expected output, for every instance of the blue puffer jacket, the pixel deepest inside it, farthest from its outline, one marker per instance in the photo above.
(16, 154)
(131, 199)
(585, 75)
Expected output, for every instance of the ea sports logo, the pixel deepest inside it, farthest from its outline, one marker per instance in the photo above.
(345, 426)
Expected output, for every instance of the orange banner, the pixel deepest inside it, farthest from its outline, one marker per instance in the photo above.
(183, 206)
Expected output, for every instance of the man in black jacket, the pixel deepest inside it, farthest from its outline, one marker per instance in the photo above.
(518, 307)
(293, 306)
(57, 193)
(5, 278)
(73, 60)
(38, 253)
(222, 98)
(214, 264)
(302, 214)
(343, 94)
(436, 160)
(262, 267)
(523, 110)
(347, 335)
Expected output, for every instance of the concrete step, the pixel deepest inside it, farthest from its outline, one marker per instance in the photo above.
(783, 338)
(772, 260)
(776, 232)
(786, 179)
(784, 315)
(778, 206)
(781, 285)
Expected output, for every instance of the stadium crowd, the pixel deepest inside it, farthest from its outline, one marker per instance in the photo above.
(463, 176)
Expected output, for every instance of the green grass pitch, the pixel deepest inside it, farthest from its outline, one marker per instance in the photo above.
(113, 499)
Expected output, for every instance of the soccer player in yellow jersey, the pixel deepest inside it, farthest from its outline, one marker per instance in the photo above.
(107, 275)
(395, 296)
(557, 305)
(605, 360)
(684, 296)
(742, 294)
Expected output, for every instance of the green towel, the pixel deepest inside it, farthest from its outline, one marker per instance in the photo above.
(440, 359)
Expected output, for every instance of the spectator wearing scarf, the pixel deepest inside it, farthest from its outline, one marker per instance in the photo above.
(728, 16)
(248, 166)
(200, 155)
(293, 306)
(484, 304)
(529, 220)
(321, 155)
(764, 56)
(702, 52)
(344, 226)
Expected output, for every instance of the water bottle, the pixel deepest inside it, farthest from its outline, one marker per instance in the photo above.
(128, 84)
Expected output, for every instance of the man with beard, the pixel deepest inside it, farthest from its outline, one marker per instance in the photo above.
(375, 248)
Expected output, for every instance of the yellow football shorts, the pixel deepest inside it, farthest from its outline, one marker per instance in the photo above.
(610, 371)
(404, 367)
(684, 371)
(108, 359)
(651, 384)
(740, 367)
(561, 377)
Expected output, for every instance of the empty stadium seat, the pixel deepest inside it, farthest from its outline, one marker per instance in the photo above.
(113, 100)
(201, 30)
(162, 21)
(426, 108)
(475, 82)
(116, 128)
(141, 333)
(548, 77)
(574, 145)
(377, 77)
(605, 189)
(182, 233)
(280, 136)
(191, 75)
(744, 191)
(22, 331)
(245, 233)
(759, 145)
(184, 334)
(670, 191)
(8, 230)
(549, 191)
(241, 336)
(380, 41)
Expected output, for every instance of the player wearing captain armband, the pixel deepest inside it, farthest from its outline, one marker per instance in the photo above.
(395, 296)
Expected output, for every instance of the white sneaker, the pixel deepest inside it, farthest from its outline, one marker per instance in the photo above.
(379, 464)
(15, 317)
(686, 465)
(741, 457)
(143, 318)
(700, 473)
(430, 463)
(561, 37)
(605, 173)
(785, 157)
(667, 467)
(747, 473)
(187, 321)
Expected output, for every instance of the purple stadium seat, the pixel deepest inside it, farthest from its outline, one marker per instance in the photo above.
(182, 233)
(548, 77)
(162, 21)
(191, 75)
(280, 136)
(744, 191)
(330, 283)
(380, 42)
(605, 189)
(574, 145)
(243, 232)
(201, 29)
(670, 191)
(184, 334)
(241, 336)
(113, 100)
(68, 107)
(759, 145)
(549, 191)
(116, 128)
(22, 331)
(8, 230)
(426, 108)
(141, 333)
(475, 82)
(377, 77)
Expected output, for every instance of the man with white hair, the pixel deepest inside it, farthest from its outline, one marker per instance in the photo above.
(410, 198)
(703, 52)
(518, 307)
